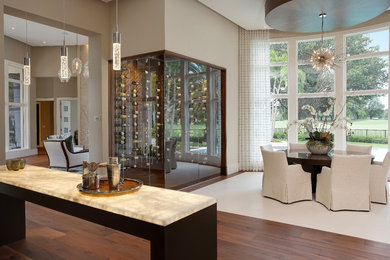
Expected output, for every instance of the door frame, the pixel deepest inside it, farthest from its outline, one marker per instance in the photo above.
(38, 101)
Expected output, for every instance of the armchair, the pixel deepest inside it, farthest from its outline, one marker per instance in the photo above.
(359, 148)
(379, 174)
(61, 157)
(283, 182)
(345, 186)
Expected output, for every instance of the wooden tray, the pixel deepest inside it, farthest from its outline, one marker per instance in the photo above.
(128, 185)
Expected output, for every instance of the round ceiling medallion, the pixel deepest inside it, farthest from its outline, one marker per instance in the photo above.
(303, 15)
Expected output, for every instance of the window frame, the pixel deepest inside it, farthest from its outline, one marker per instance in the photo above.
(24, 104)
(340, 83)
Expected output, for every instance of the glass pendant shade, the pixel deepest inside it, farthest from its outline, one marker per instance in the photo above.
(77, 66)
(64, 69)
(27, 72)
(64, 80)
(116, 51)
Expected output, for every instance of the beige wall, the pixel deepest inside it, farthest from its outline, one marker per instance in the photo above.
(141, 24)
(88, 17)
(83, 101)
(53, 88)
(196, 31)
(16, 51)
(45, 61)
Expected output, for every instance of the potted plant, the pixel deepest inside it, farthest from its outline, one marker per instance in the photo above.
(320, 126)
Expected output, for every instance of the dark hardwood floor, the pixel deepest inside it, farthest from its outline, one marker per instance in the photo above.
(53, 235)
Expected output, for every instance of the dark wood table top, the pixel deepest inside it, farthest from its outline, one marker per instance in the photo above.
(315, 159)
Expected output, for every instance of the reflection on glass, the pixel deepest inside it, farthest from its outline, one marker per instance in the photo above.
(166, 120)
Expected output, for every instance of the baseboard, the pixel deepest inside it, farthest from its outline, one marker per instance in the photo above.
(21, 153)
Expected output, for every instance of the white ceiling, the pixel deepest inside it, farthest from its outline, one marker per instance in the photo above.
(39, 34)
(249, 14)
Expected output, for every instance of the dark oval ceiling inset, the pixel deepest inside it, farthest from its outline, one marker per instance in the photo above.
(303, 15)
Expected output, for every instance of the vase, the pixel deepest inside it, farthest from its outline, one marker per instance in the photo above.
(319, 147)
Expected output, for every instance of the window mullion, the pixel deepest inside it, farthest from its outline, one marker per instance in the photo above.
(292, 89)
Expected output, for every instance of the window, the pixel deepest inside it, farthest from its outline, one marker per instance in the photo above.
(314, 88)
(279, 90)
(359, 86)
(16, 109)
(193, 109)
(367, 76)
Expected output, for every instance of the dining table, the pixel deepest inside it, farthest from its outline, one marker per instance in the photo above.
(313, 163)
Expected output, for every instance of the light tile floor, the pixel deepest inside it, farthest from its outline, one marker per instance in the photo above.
(242, 195)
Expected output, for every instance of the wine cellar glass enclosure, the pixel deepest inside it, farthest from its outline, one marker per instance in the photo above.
(166, 119)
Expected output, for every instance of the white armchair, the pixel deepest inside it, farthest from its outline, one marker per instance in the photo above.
(283, 182)
(61, 157)
(353, 148)
(297, 148)
(379, 174)
(345, 186)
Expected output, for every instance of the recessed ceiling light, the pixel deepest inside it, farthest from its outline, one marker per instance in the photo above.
(12, 28)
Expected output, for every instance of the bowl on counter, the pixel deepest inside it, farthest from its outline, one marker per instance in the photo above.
(15, 164)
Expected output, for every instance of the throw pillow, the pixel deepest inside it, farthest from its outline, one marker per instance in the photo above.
(69, 143)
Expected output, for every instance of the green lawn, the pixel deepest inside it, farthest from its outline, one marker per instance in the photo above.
(358, 124)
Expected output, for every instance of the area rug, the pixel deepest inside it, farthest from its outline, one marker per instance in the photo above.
(242, 195)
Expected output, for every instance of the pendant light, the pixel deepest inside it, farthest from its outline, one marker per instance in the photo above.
(116, 43)
(27, 64)
(324, 59)
(77, 64)
(64, 72)
(64, 69)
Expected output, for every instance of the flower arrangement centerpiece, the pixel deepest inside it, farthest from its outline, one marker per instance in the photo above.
(320, 126)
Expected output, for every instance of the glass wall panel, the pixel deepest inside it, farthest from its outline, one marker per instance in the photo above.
(167, 119)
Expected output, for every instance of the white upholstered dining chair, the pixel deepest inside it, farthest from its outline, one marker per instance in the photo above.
(297, 147)
(283, 182)
(346, 185)
(267, 147)
(379, 175)
(353, 148)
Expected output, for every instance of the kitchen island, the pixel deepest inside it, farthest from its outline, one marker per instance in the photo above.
(178, 225)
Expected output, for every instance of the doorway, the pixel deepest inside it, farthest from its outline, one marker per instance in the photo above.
(45, 122)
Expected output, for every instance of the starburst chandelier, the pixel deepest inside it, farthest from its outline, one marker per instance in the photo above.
(323, 58)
